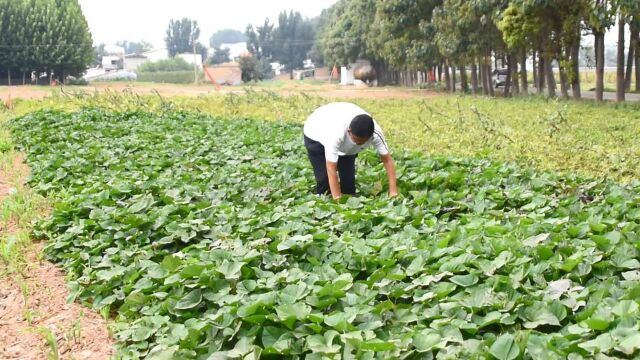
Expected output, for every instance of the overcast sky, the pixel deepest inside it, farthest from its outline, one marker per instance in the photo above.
(135, 20)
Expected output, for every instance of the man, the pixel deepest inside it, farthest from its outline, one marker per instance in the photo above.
(334, 134)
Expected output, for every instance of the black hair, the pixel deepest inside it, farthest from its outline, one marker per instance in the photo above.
(362, 126)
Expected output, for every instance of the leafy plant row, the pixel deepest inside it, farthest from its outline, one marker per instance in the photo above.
(201, 236)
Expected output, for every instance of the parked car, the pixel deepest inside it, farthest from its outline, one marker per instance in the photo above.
(500, 77)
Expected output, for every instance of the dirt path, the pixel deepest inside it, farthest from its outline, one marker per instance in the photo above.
(33, 305)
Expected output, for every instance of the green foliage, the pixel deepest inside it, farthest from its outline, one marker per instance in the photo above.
(181, 35)
(260, 41)
(343, 38)
(169, 77)
(220, 56)
(254, 69)
(43, 34)
(292, 40)
(202, 235)
(80, 82)
(98, 53)
(403, 35)
(173, 64)
(132, 47)
(226, 36)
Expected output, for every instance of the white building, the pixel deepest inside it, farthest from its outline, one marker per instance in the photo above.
(156, 54)
(235, 49)
(111, 62)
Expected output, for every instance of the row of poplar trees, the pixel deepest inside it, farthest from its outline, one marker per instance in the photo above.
(42, 40)
(414, 37)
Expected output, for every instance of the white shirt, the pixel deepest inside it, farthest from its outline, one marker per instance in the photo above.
(328, 125)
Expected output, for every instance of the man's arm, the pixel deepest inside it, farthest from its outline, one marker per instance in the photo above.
(390, 167)
(334, 184)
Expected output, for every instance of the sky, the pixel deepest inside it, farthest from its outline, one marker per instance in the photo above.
(135, 20)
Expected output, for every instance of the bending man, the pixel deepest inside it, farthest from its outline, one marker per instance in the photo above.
(334, 134)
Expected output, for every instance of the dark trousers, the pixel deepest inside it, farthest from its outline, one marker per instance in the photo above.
(346, 168)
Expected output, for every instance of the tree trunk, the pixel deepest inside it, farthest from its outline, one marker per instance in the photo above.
(454, 79)
(447, 77)
(507, 84)
(523, 73)
(637, 60)
(489, 76)
(575, 70)
(551, 81)
(515, 81)
(474, 77)
(464, 85)
(24, 78)
(620, 62)
(9, 76)
(631, 55)
(483, 73)
(541, 72)
(564, 81)
(599, 47)
(534, 58)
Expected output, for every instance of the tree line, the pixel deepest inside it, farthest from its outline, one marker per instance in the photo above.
(42, 39)
(406, 40)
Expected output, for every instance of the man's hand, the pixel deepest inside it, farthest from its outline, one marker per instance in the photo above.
(334, 183)
(390, 167)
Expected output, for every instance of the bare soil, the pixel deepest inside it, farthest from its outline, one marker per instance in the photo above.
(34, 302)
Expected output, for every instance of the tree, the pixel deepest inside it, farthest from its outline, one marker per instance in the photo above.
(553, 29)
(49, 36)
(132, 47)
(628, 13)
(600, 19)
(319, 25)
(202, 50)
(343, 38)
(292, 40)
(260, 40)
(402, 33)
(98, 52)
(181, 35)
(220, 56)
(226, 36)
(254, 69)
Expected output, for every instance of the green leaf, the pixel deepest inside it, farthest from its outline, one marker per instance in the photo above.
(603, 343)
(625, 308)
(230, 269)
(428, 340)
(465, 280)
(630, 344)
(189, 301)
(416, 265)
(505, 348)
(377, 345)
(142, 333)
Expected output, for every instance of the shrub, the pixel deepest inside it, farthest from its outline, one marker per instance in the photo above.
(171, 77)
(173, 64)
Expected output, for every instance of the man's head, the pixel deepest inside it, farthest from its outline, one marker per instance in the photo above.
(361, 129)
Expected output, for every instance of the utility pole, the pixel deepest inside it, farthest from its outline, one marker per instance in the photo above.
(195, 66)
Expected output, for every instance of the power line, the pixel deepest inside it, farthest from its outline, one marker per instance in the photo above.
(36, 46)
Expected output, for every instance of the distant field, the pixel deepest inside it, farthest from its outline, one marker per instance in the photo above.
(571, 137)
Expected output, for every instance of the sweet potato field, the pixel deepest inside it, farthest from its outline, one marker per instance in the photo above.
(201, 237)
